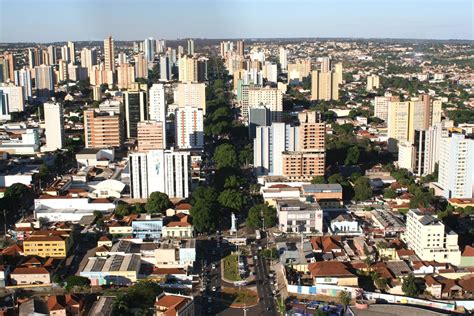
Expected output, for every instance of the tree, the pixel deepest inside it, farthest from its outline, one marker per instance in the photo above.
(204, 193)
(98, 214)
(122, 210)
(389, 193)
(158, 202)
(409, 286)
(362, 189)
(204, 216)
(259, 213)
(336, 178)
(232, 199)
(352, 156)
(225, 156)
(75, 280)
(344, 299)
(233, 182)
(18, 196)
(318, 180)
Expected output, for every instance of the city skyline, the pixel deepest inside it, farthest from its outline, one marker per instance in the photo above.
(237, 19)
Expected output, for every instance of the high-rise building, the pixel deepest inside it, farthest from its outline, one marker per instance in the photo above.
(44, 80)
(4, 110)
(381, 105)
(52, 54)
(166, 171)
(456, 167)
(226, 47)
(14, 97)
(430, 238)
(325, 64)
(189, 127)
(165, 68)
(188, 69)
(157, 103)
(99, 75)
(190, 46)
(434, 135)
(298, 70)
(65, 54)
(269, 97)
(88, 58)
(72, 52)
(76, 73)
(325, 85)
(270, 72)
(102, 129)
(150, 135)
(109, 54)
(62, 70)
(141, 66)
(23, 79)
(34, 57)
(283, 59)
(10, 63)
(149, 49)
(125, 76)
(258, 116)
(121, 58)
(54, 125)
(240, 48)
(373, 82)
(136, 109)
(192, 94)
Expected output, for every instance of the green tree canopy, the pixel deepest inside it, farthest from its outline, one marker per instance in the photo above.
(233, 182)
(389, 193)
(158, 202)
(410, 286)
(318, 180)
(352, 157)
(204, 216)
(362, 189)
(75, 280)
(225, 156)
(259, 213)
(233, 199)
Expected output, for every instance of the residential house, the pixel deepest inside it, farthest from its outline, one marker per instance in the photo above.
(30, 275)
(332, 272)
(168, 304)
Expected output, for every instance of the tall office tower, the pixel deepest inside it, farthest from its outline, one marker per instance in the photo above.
(125, 76)
(121, 58)
(14, 96)
(381, 105)
(150, 135)
(44, 80)
(434, 135)
(298, 70)
(189, 127)
(258, 116)
(325, 85)
(149, 49)
(157, 103)
(136, 110)
(456, 167)
(88, 58)
(192, 94)
(166, 171)
(270, 72)
(270, 97)
(190, 46)
(66, 54)
(4, 111)
(141, 66)
(188, 69)
(283, 59)
(373, 82)
(9, 61)
(72, 51)
(164, 68)
(23, 79)
(52, 54)
(325, 64)
(62, 70)
(226, 47)
(240, 48)
(109, 54)
(269, 144)
(102, 129)
(430, 238)
(54, 125)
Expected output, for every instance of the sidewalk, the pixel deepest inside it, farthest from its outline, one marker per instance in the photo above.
(280, 277)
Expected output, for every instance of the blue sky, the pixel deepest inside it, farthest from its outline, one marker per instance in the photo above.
(60, 20)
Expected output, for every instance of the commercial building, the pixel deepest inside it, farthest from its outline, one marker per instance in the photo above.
(54, 125)
(109, 54)
(258, 116)
(136, 109)
(192, 94)
(166, 171)
(149, 49)
(103, 129)
(189, 127)
(295, 216)
(28, 144)
(47, 244)
(150, 135)
(116, 270)
(430, 238)
(456, 166)
(147, 227)
(168, 304)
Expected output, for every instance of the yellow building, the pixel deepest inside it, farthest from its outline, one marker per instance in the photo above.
(51, 245)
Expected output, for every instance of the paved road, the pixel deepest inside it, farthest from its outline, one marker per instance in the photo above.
(263, 282)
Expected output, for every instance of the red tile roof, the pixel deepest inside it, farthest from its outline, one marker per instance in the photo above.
(329, 268)
(30, 270)
(326, 243)
(468, 251)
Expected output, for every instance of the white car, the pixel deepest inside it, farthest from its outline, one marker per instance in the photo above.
(213, 289)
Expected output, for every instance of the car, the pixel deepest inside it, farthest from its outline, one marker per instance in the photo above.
(209, 299)
(255, 257)
(213, 289)
(213, 265)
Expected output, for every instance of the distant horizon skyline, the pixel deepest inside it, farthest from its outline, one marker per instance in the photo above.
(88, 20)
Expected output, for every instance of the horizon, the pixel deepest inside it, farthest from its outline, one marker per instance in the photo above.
(84, 20)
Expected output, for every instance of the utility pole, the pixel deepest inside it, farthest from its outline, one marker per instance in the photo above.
(5, 222)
